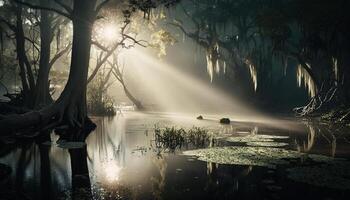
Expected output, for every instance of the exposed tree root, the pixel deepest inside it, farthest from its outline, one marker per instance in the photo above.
(322, 101)
(57, 114)
(6, 108)
(327, 104)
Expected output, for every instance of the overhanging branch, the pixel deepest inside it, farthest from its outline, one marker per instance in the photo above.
(66, 7)
(59, 54)
(100, 6)
(43, 8)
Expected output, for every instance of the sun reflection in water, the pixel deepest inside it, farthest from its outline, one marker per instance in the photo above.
(112, 172)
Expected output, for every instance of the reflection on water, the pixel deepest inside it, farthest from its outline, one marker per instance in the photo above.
(120, 162)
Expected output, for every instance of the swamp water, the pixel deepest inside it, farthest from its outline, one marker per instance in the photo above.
(296, 160)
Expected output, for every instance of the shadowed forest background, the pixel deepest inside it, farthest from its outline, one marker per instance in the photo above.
(71, 70)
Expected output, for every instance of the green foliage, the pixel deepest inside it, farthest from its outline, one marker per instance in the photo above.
(169, 138)
(160, 40)
(98, 100)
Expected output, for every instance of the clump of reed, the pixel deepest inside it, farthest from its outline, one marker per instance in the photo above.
(172, 138)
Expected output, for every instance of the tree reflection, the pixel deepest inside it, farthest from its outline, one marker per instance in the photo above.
(159, 183)
(322, 138)
(45, 168)
(81, 185)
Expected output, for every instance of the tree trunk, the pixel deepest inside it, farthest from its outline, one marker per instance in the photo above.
(137, 103)
(81, 185)
(119, 76)
(74, 94)
(70, 108)
(42, 95)
(45, 170)
(19, 51)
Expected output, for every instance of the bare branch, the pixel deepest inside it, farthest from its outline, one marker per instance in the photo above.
(100, 6)
(35, 44)
(195, 36)
(59, 54)
(106, 86)
(99, 45)
(138, 42)
(110, 51)
(102, 61)
(189, 16)
(44, 8)
(11, 26)
(66, 7)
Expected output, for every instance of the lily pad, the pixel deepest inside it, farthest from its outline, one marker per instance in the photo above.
(255, 138)
(267, 144)
(257, 156)
(335, 175)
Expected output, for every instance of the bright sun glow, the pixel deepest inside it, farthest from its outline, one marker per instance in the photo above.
(108, 33)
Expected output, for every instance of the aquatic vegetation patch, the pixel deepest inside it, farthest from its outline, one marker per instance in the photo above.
(335, 175)
(256, 156)
(140, 150)
(267, 144)
(169, 137)
(255, 138)
(259, 140)
(173, 138)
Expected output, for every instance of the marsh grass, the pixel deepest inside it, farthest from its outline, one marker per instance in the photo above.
(173, 138)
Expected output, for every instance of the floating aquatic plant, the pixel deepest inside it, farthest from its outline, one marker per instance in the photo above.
(256, 156)
(267, 144)
(255, 138)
